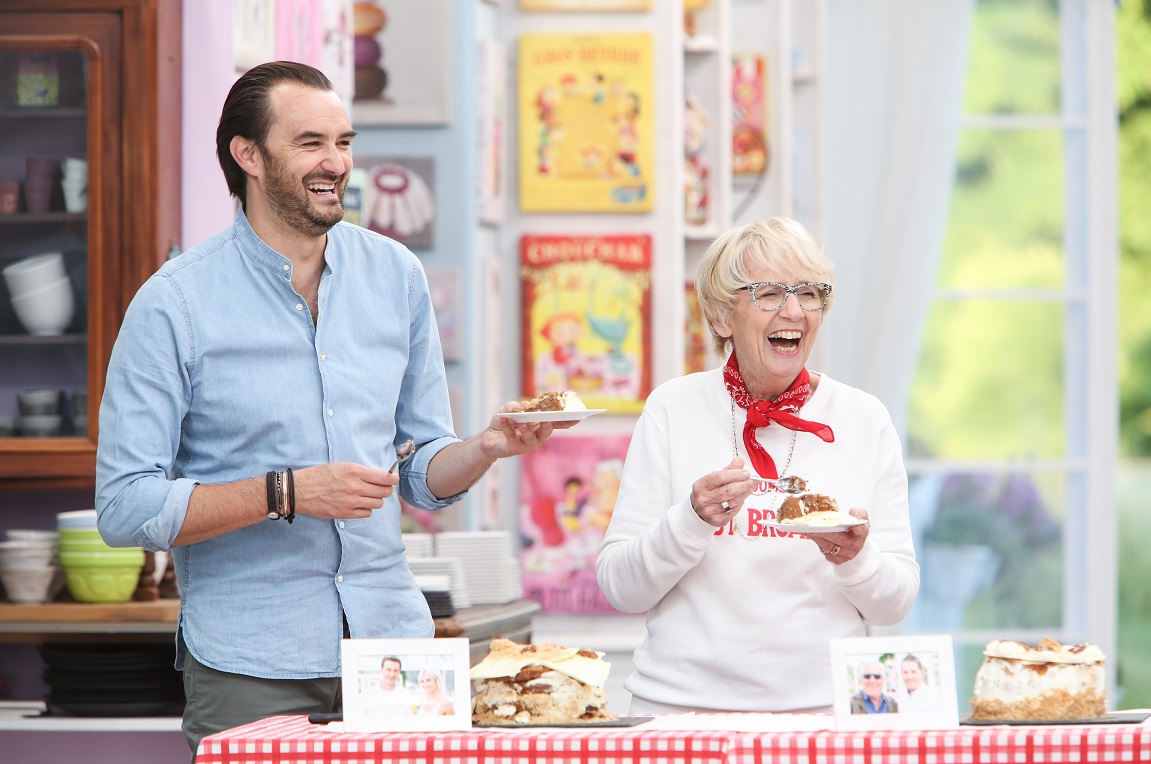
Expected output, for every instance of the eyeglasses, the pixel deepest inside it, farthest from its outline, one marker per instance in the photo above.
(771, 295)
(873, 676)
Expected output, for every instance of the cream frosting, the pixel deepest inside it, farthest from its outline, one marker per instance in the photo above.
(1045, 653)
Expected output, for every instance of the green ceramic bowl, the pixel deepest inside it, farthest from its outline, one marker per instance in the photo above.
(84, 545)
(104, 558)
(103, 583)
(78, 533)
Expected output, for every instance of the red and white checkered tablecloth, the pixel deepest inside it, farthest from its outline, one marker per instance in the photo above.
(292, 740)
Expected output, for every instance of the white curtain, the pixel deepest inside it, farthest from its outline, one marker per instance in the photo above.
(894, 100)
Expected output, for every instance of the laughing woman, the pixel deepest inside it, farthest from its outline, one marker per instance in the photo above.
(739, 614)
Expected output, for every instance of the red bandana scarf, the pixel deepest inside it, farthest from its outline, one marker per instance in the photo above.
(762, 413)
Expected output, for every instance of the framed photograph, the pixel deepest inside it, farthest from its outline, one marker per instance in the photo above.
(406, 684)
(447, 302)
(402, 54)
(399, 199)
(492, 104)
(897, 682)
(254, 33)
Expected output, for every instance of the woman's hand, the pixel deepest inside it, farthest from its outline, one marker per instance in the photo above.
(718, 496)
(840, 547)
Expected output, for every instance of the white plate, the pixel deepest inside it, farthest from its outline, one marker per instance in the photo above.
(808, 529)
(552, 416)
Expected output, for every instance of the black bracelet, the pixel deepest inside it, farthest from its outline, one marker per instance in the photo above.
(291, 497)
(273, 510)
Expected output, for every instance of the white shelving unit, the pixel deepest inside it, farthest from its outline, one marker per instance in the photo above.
(789, 34)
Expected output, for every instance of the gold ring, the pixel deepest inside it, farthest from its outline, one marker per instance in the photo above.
(833, 550)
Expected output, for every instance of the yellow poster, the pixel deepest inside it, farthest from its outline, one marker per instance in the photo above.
(586, 127)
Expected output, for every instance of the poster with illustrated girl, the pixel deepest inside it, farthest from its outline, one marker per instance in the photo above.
(587, 318)
(586, 133)
(568, 489)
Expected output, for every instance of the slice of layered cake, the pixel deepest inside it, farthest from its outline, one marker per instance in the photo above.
(1049, 682)
(813, 509)
(557, 400)
(539, 684)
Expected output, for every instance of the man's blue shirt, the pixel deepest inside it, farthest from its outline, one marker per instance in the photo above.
(219, 374)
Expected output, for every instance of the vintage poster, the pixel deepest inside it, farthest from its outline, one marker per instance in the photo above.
(568, 490)
(749, 115)
(586, 135)
(587, 318)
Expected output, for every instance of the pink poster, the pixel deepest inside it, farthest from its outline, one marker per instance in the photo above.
(568, 490)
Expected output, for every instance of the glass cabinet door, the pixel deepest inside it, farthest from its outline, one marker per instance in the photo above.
(44, 244)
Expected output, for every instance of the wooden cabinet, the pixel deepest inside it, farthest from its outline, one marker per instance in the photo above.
(96, 82)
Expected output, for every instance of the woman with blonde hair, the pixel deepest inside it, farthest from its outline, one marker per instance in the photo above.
(434, 698)
(689, 542)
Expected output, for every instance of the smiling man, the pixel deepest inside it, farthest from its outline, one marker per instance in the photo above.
(255, 396)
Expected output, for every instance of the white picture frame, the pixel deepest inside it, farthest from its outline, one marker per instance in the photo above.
(855, 660)
(369, 707)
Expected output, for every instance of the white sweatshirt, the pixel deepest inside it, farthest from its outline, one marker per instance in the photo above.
(743, 624)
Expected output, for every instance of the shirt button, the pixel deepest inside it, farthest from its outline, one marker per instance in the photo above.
(323, 356)
(299, 306)
(287, 267)
(331, 413)
(341, 523)
(339, 579)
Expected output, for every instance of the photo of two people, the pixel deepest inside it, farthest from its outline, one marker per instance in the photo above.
(406, 684)
(892, 684)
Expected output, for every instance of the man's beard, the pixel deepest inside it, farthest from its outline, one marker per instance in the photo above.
(290, 200)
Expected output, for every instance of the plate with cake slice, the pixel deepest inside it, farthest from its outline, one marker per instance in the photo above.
(551, 416)
(845, 524)
(812, 513)
(552, 406)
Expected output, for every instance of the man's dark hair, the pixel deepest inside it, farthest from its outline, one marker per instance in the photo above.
(247, 113)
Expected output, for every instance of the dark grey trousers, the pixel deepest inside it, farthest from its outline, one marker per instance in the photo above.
(217, 701)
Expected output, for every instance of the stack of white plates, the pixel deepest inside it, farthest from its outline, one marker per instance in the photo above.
(417, 544)
(491, 562)
(443, 566)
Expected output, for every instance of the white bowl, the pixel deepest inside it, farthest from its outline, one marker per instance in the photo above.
(36, 402)
(34, 273)
(80, 518)
(32, 534)
(46, 311)
(42, 425)
(28, 586)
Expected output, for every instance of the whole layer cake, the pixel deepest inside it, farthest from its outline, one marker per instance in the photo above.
(812, 509)
(558, 400)
(1049, 682)
(539, 684)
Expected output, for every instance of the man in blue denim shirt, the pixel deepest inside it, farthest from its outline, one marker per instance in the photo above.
(274, 368)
